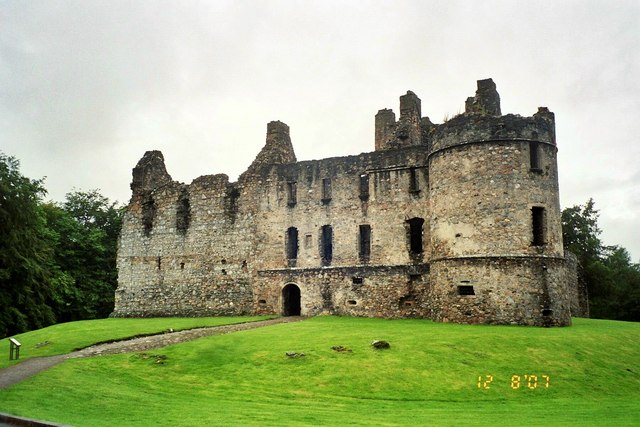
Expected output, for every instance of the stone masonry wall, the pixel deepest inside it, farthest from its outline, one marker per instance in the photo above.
(201, 270)
(523, 291)
(456, 222)
(390, 292)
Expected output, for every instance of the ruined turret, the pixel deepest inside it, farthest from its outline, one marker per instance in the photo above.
(410, 129)
(486, 101)
(277, 150)
(149, 173)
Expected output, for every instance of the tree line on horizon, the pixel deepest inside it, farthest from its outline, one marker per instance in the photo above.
(58, 260)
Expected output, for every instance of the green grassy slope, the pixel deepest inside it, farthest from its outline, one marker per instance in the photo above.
(66, 337)
(428, 377)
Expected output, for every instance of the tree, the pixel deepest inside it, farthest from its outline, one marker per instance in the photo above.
(25, 252)
(612, 280)
(580, 231)
(85, 229)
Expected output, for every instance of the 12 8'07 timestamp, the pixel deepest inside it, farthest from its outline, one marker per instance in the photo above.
(529, 381)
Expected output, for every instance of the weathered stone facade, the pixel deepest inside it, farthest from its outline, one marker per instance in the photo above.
(455, 222)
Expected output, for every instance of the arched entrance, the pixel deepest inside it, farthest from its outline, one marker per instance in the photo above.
(291, 300)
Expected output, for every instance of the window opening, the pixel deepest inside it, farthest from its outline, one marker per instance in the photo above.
(415, 235)
(326, 190)
(308, 241)
(466, 290)
(292, 243)
(351, 302)
(364, 248)
(357, 280)
(292, 197)
(537, 224)
(148, 214)
(414, 183)
(364, 186)
(534, 155)
(183, 212)
(326, 244)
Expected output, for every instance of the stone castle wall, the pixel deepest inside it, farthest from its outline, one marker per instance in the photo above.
(409, 230)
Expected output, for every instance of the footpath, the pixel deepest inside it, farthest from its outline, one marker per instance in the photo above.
(17, 373)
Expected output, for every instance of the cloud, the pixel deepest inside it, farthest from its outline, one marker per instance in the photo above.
(87, 87)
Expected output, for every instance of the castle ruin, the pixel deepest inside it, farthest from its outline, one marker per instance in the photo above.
(455, 222)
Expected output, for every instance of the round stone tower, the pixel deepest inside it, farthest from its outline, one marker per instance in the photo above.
(496, 234)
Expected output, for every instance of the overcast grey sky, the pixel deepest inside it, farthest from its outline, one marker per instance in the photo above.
(86, 87)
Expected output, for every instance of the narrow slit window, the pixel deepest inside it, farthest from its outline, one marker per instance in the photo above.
(537, 225)
(415, 235)
(364, 247)
(534, 155)
(326, 244)
(292, 197)
(292, 243)
(326, 190)
(183, 213)
(364, 186)
(414, 183)
(148, 214)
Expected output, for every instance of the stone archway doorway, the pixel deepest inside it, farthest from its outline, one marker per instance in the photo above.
(291, 300)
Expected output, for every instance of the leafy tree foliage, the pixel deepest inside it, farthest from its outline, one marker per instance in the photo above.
(580, 231)
(85, 229)
(26, 290)
(612, 280)
(57, 261)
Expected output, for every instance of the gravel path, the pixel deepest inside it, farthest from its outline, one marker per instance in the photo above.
(16, 373)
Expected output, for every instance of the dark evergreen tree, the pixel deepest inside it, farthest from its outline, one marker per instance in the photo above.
(26, 289)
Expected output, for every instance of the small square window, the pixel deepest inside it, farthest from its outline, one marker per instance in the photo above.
(466, 290)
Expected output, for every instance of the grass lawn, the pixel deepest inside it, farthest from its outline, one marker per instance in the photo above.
(429, 376)
(66, 337)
